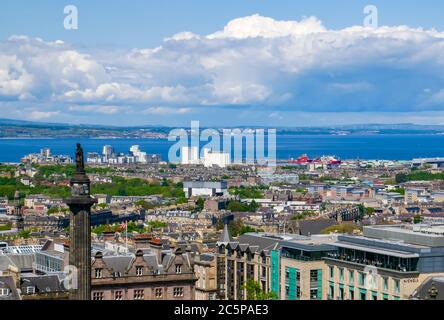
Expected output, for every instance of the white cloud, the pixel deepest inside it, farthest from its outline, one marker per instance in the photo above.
(276, 116)
(259, 26)
(186, 35)
(14, 79)
(162, 111)
(254, 61)
(97, 109)
(41, 115)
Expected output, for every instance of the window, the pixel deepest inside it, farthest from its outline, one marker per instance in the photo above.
(139, 271)
(178, 292)
(397, 288)
(332, 272)
(99, 273)
(118, 295)
(351, 277)
(139, 295)
(313, 275)
(314, 294)
(178, 269)
(331, 292)
(341, 274)
(361, 279)
(352, 294)
(298, 292)
(30, 290)
(385, 283)
(158, 293)
(341, 293)
(98, 295)
(4, 292)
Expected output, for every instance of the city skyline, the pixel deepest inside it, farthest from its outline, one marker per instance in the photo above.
(254, 65)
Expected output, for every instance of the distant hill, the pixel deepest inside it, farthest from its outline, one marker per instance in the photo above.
(11, 128)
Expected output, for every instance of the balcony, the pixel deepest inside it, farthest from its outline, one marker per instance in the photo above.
(393, 267)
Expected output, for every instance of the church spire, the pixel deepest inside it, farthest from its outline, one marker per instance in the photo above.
(226, 237)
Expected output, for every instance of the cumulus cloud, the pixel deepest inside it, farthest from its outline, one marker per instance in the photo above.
(41, 115)
(255, 62)
(258, 26)
(162, 111)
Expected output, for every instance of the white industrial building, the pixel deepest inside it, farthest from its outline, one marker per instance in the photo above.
(219, 159)
(189, 155)
(205, 188)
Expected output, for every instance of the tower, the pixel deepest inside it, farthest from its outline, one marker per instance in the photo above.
(80, 204)
(19, 220)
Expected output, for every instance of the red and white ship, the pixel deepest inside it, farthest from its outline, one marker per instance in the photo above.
(326, 160)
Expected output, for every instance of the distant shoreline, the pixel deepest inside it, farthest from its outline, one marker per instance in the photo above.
(282, 134)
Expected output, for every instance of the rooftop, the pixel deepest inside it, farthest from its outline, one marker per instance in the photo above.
(420, 235)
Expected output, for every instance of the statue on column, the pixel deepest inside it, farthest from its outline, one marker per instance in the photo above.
(80, 164)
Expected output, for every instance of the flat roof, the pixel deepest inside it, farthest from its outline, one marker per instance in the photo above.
(394, 253)
(313, 243)
(421, 235)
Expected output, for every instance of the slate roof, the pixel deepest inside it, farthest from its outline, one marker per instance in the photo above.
(41, 283)
(117, 263)
(311, 227)
(7, 282)
(423, 291)
(206, 257)
(263, 243)
(23, 262)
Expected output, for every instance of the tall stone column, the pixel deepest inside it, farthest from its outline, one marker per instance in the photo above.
(80, 204)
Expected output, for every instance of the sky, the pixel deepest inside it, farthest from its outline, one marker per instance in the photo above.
(224, 63)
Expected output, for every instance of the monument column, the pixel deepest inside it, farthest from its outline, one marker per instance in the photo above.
(80, 204)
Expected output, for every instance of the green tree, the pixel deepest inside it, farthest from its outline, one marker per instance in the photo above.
(417, 219)
(200, 203)
(156, 224)
(25, 234)
(53, 210)
(255, 291)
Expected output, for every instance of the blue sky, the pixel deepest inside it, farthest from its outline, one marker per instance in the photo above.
(250, 62)
(142, 23)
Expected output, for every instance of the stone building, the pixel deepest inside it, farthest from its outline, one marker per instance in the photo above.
(150, 274)
(205, 270)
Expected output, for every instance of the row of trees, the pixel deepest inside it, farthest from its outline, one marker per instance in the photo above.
(237, 228)
(248, 192)
(237, 206)
(132, 227)
(138, 187)
(418, 176)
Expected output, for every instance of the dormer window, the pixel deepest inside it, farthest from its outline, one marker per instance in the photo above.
(30, 290)
(4, 292)
(178, 269)
(99, 273)
(139, 271)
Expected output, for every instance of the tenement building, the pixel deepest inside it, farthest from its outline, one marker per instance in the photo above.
(386, 263)
(205, 270)
(149, 274)
(254, 256)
